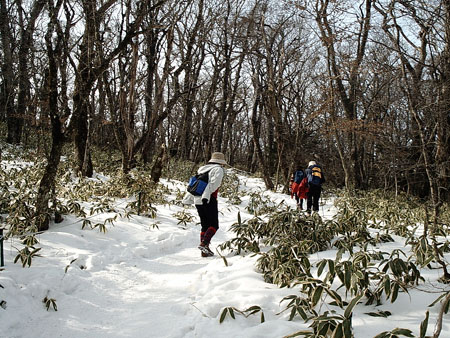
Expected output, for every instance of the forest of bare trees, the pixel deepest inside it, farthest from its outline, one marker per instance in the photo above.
(363, 87)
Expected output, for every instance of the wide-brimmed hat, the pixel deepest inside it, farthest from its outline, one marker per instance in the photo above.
(218, 158)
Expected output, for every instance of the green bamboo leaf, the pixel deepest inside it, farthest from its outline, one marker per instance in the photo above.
(293, 312)
(402, 265)
(423, 245)
(437, 300)
(253, 308)
(55, 307)
(341, 276)
(348, 278)
(300, 333)
(424, 325)
(383, 314)
(331, 267)
(393, 267)
(33, 253)
(306, 263)
(427, 260)
(292, 299)
(302, 313)
(321, 266)
(335, 296)
(387, 285)
(316, 296)
(231, 313)
(347, 328)
(359, 274)
(348, 311)
(394, 292)
(404, 332)
(223, 315)
(339, 254)
(323, 329)
(338, 331)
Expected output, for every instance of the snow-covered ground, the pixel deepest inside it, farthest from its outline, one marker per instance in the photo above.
(141, 281)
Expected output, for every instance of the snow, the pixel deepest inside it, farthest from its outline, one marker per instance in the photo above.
(137, 280)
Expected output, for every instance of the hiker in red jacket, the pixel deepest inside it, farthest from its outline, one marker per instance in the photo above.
(299, 187)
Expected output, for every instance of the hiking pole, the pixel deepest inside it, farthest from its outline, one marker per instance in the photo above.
(2, 262)
(323, 212)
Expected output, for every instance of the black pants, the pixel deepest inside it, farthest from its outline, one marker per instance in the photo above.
(209, 219)
(299, 201)
(313, 197)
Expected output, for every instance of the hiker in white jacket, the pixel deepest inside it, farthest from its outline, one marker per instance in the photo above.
(206, 204)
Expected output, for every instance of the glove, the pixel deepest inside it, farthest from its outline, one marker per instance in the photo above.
(204, 201)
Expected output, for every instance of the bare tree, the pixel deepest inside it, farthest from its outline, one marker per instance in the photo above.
(88, 71)
(258, 82)
(191, 47)
(345, 82)
(136, 125)
(159, 42)
(414, 61)
(7, 84)
(279, 61)
(56, 51)
(16, 106)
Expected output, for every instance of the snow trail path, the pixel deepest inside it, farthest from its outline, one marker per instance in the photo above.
(136, 281)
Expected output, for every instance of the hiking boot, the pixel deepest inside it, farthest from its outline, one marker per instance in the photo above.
(204, 248)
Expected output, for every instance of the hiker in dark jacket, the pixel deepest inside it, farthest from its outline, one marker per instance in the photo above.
(316, 178)
(206, 204)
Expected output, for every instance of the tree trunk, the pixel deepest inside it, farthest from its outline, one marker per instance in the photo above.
(80, 131)
(7, 85)
(47, 184)
(443, 139)
(83, 84)
(258, 151)
(157, 167)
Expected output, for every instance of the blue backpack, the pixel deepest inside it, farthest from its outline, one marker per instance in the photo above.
(197, 184)
(299, 175)
(315, 175)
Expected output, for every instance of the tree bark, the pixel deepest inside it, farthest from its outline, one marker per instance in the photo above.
(46, 188)
(26, 40)
(257, 105)
(7, 109)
